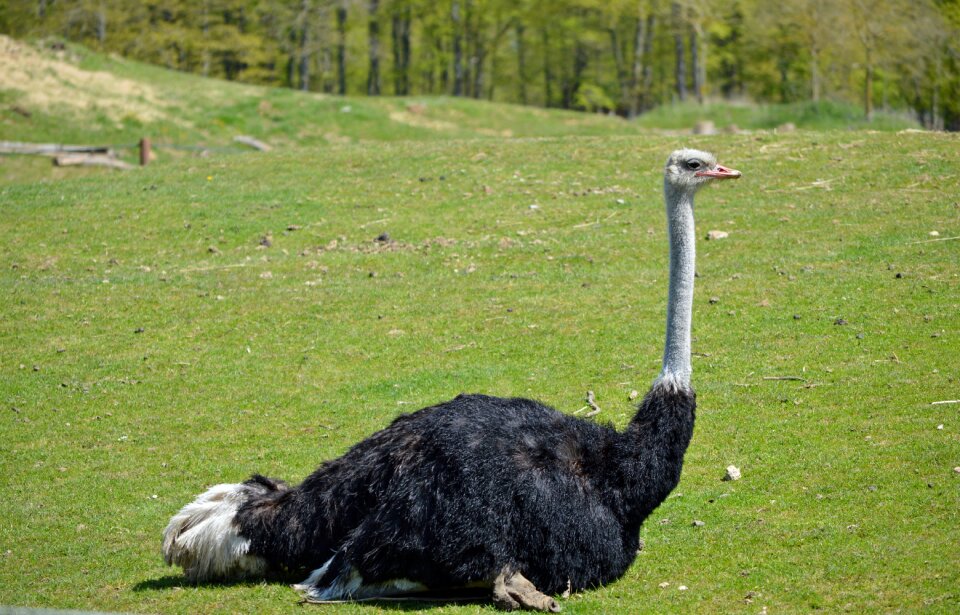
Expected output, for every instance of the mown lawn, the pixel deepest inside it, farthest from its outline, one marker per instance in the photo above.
(152, 346)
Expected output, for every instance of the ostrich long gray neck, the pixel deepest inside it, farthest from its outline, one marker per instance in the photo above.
(676, 353)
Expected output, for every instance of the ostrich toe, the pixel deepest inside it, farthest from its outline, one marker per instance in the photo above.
(511, 590)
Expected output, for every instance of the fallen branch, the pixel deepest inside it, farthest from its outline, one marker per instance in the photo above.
(17, 147)
(252, 142)
(795, 378)
(90, 160)
(595, 222)
(366, 224)
(910, 243)
(592, 404)
(945, 401)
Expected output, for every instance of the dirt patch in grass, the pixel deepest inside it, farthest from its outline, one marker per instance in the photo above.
(48, 81)
(419, 121)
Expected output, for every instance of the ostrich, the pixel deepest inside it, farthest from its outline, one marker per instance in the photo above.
(502, 495)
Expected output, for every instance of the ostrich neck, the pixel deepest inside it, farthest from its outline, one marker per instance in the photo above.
(680, 226)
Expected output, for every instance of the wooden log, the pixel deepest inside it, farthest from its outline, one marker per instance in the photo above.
(90, 160)
(252, 142)
(145, 153)
(47, 149)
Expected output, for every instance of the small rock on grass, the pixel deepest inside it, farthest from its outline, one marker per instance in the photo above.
(698, 523)
(957, 469)
(713, 235)
(633, 395)
(733, 473)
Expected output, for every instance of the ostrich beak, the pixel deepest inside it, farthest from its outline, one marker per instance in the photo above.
(721, 172)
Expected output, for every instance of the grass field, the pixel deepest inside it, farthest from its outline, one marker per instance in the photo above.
(152, 346)
(76, 96)
(204, 318)
(825, 115)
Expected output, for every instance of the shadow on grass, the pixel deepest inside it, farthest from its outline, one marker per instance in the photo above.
(176, 581)
(412, 602)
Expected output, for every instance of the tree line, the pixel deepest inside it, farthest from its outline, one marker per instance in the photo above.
(623, 56)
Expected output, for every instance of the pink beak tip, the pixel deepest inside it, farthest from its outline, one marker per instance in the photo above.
(721, 172)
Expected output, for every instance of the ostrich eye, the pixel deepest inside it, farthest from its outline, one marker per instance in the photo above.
(694, 164)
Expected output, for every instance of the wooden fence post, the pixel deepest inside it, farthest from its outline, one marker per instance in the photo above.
(144, 151)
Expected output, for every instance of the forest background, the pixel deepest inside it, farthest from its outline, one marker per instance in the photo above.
(613, 56)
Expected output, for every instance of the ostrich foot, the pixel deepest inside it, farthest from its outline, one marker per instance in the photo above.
(511, 590)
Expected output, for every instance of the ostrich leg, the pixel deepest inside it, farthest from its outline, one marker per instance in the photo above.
(511, 590)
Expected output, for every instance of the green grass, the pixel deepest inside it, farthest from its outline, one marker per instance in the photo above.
(138, 366)
(90, 98)
(107, 100)
(825, 115)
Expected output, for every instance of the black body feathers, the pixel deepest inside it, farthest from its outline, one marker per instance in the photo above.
(457, 492)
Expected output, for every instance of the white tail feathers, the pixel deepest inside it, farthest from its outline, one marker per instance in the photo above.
(203, 538)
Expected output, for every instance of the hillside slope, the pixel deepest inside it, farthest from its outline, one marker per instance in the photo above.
(75, 95)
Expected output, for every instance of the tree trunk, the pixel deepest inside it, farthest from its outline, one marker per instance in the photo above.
(401, 51)
(405, 49)
(636, 68)
(494, 65)
(326, 70)
(457, 49)
(444, 66)
(373, 32)
(479, 57)
(492, 50)
(696, 65)
(521, 64)
(815, 73)
(572, 87)
(680, 70)
(101, 24)
(647, 95)
(547, 72)
(619, 64)
(205, 53)
(783, 67)
(471, 49)
(935, 105)
(305, 45)
(342, 48)
(868, 85)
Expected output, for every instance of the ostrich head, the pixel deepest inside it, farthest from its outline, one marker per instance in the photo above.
(690, 169)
